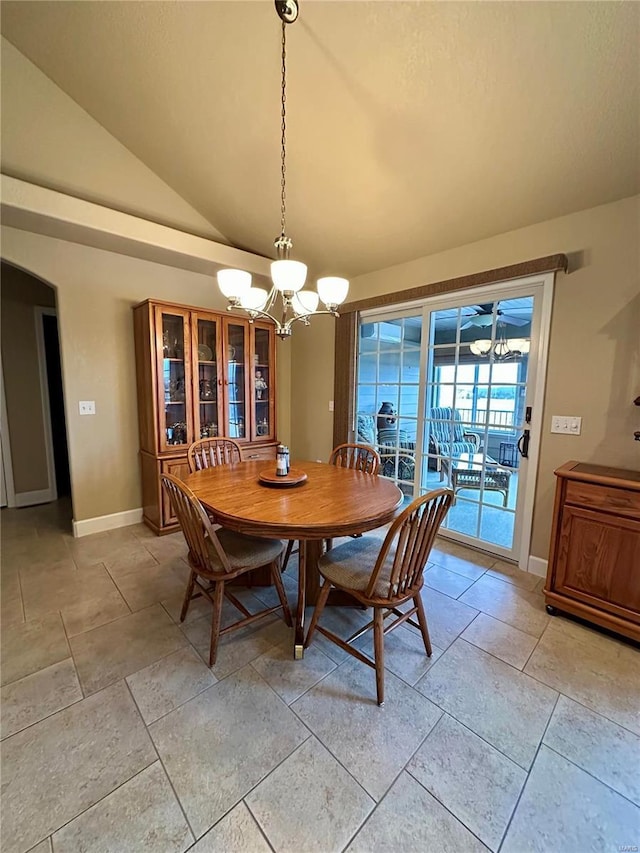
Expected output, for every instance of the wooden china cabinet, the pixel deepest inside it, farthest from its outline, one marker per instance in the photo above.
(199, 374)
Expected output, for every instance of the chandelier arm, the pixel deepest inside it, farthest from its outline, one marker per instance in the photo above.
(305, 317)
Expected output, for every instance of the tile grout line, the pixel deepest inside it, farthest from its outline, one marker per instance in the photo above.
(159, 758)
(286, 757)
(589, 773)
(181, 704)
(97, 802)
(53, 713)
(378, 803)
(453, 814)
(524, 787)
(256, 821)
(22, 607)
(483, 739)
(577, 701)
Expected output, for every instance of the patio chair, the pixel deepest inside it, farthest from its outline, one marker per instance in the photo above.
(384, 577)
(448, 438)
(396, 450)
(218, 557)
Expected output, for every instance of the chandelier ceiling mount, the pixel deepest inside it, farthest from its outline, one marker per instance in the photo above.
(288, 275)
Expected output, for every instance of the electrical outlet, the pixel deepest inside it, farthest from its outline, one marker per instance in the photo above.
(87, 407)
(566, 424)
(330, 405)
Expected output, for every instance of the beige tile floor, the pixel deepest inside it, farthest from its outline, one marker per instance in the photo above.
(521, 733)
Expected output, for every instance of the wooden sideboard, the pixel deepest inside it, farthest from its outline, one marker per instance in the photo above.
(594, 561)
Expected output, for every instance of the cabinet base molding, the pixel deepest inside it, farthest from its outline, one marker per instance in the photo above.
(101, 523)
(590, 614)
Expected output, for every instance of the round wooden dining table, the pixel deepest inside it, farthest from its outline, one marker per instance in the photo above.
(331, 502)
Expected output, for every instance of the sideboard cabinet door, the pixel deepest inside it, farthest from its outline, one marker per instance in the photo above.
(599, 560)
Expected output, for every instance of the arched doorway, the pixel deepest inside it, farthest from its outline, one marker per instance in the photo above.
(34, 435)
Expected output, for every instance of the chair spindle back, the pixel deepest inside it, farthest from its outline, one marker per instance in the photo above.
(415, 530)
(209, 452)
(195, 525)
(359, 457)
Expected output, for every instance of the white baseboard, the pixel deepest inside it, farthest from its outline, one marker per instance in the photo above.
(538, 566)
(43, 496)
(106, 522)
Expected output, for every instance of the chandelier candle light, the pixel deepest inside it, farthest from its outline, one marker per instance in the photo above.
(288, 276)
(502, 348)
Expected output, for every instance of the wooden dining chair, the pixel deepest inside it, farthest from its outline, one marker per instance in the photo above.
(385, 577)
(209, 452)
(359, 457)
(218, 557)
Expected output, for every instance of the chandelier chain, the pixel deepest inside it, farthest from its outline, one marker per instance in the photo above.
(283, 127)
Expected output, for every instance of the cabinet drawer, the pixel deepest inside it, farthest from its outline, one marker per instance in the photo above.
(619, 501)
(266, 452)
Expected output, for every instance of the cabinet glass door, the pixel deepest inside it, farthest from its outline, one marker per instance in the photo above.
(236, 385)
(175, 426)
(207, 385)
(262, 384)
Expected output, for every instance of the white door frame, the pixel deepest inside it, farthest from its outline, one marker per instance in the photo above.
(5, 442)
(39, 312)
(539, 285)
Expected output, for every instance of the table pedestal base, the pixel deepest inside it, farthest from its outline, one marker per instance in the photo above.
(309, 589)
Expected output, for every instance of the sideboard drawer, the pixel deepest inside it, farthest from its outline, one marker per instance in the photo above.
(267, 451)
(607, 498)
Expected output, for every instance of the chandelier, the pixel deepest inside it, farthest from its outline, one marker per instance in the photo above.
(288, 276)
(502, 348)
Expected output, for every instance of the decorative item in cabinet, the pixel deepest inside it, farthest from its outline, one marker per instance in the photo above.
(263, 400)
(174, 374)
(594, 561)
(195, 372)
(206, 347)
(236, 390)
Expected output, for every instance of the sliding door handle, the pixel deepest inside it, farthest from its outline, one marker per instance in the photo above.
(523, 443)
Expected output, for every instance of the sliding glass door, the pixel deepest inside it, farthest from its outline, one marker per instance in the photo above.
(446, 392)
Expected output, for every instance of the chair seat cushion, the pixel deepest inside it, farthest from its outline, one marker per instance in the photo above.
(250, 552)
(350, 565)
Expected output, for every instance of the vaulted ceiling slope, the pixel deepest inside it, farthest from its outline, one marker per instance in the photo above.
(413, 127)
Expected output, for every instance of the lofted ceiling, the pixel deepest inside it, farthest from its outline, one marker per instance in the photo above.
(413, 127)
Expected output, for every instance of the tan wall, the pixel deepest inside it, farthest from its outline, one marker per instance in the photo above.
(20, 294)
(47, 139)
(96, 290)
(594, 354)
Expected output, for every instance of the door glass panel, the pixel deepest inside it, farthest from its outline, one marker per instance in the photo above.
(207, 379)
(236, 380)
(388, 388)
(474, 413)
(173, 370)
(262, 384)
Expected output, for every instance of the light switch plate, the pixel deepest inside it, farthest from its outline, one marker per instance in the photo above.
(330, 405)
(566, 424)
(87, 407)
